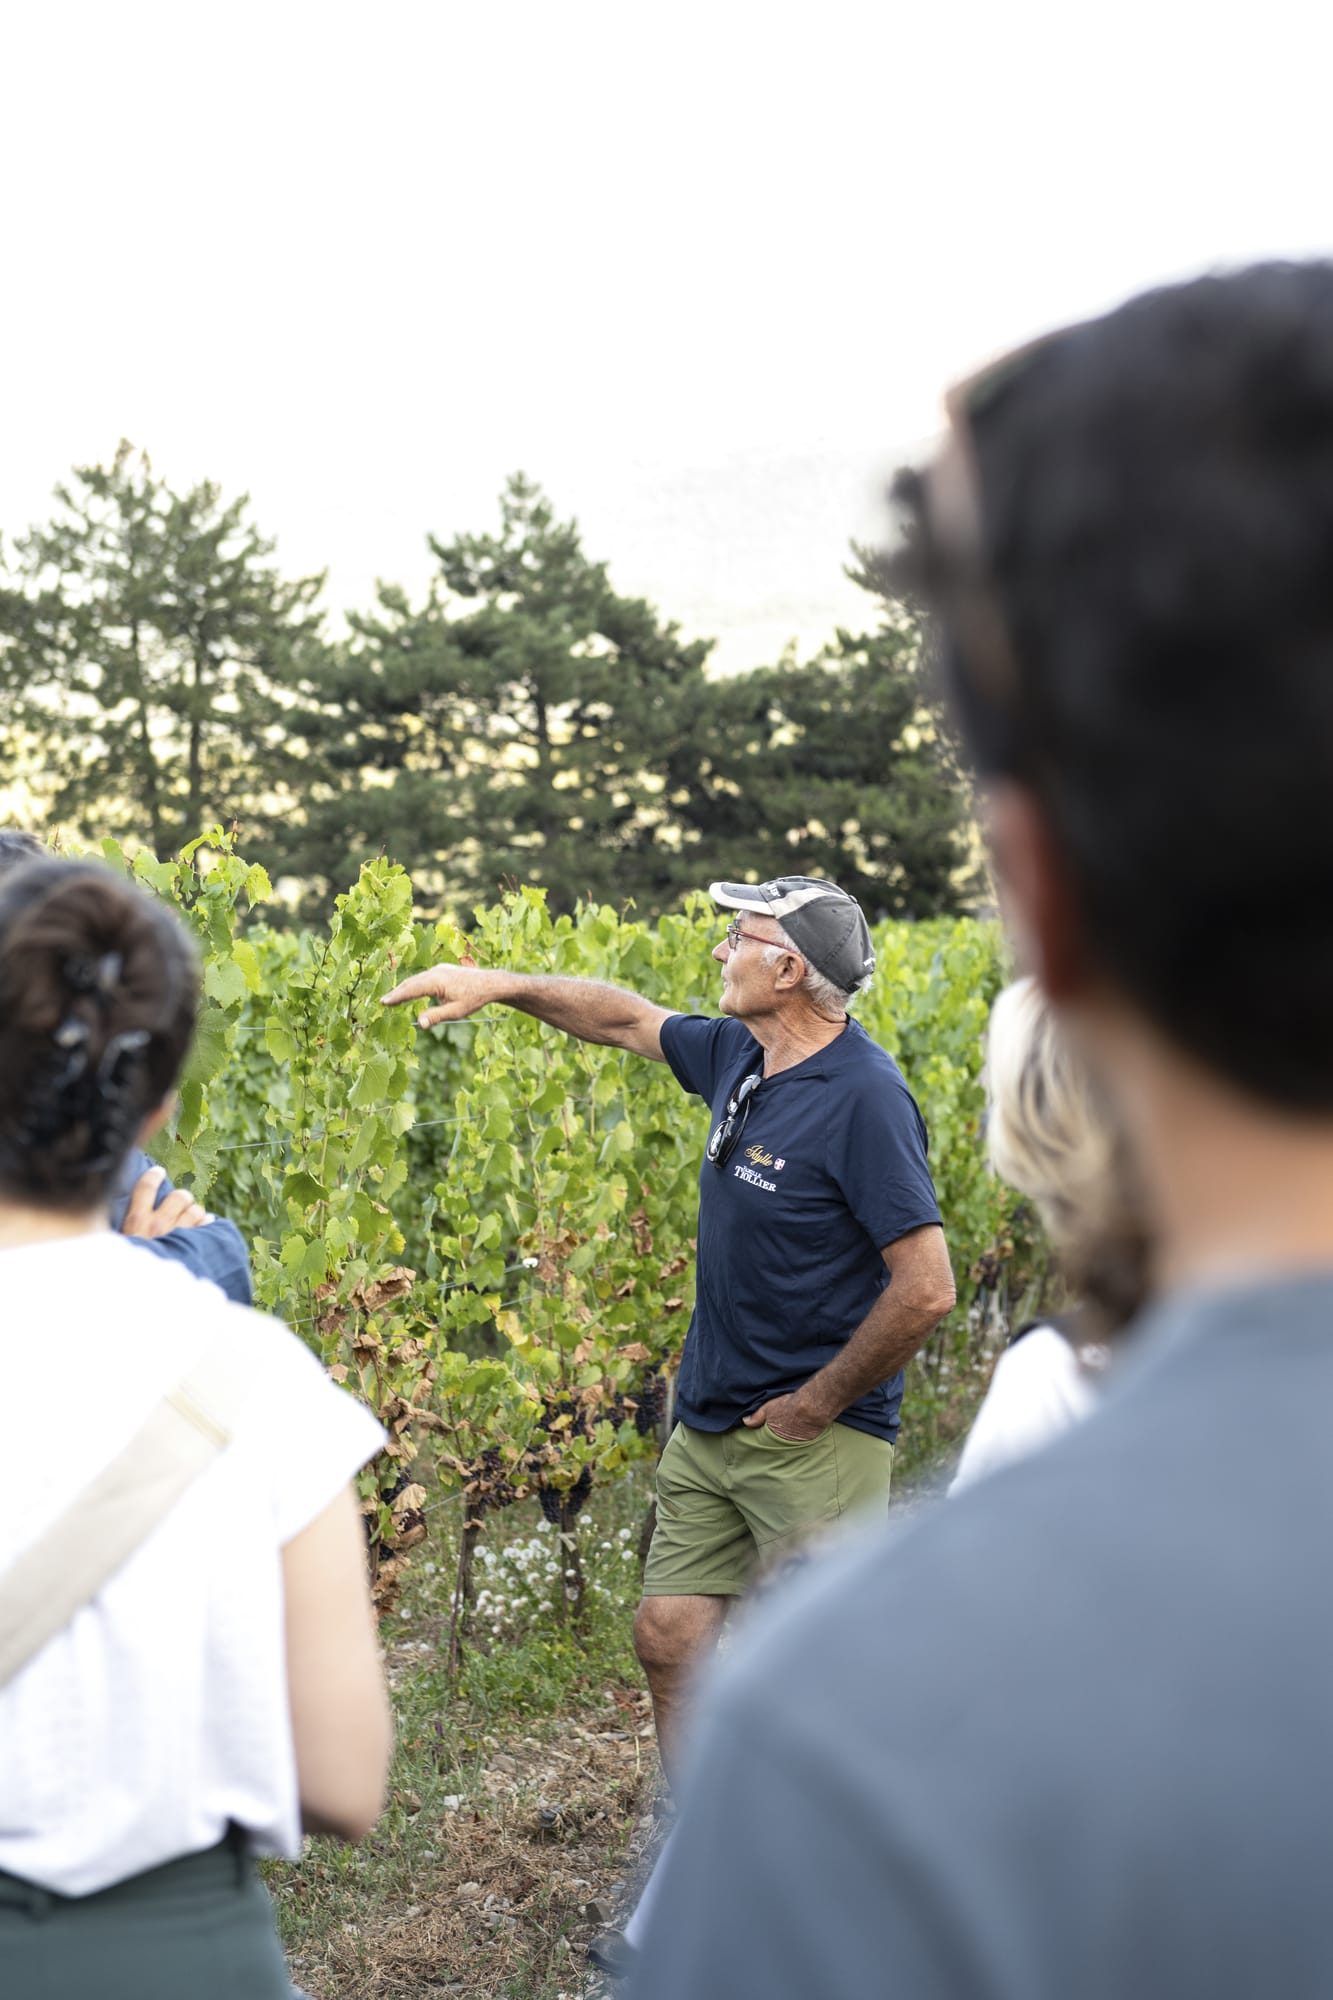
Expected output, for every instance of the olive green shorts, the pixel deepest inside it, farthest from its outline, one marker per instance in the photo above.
(732, 1502)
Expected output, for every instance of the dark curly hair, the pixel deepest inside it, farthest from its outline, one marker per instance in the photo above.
(1156, 536)
(98, 991)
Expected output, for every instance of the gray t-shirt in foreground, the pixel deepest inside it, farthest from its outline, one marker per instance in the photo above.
(1068, 1738)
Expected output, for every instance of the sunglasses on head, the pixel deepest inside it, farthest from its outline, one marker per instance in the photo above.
(728, 1134)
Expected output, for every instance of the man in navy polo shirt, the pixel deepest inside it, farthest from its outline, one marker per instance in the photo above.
(821, 1263)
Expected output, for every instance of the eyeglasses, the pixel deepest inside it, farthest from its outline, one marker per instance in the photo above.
(735, 934)
(728, 1134)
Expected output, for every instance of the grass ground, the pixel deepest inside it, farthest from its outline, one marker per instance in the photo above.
(521, 1801)
(520, 1819)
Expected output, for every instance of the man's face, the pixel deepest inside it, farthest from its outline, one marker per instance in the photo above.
(747, 980)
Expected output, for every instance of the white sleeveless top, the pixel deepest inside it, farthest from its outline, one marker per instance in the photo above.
(1038, 1389)
(160, 1713)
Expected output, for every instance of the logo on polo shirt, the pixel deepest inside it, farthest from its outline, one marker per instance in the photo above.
(758, 1158)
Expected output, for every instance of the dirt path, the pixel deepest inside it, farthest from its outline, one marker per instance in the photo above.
(492, 1895)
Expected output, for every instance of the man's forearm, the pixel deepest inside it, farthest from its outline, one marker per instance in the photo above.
(587, 1008)
(892, 1331)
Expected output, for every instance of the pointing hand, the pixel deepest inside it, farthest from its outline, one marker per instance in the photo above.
(458, 990)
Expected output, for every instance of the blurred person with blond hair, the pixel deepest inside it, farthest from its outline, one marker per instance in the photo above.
(1051, 1134)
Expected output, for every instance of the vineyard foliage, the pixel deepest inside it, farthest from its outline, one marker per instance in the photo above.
(487, 1231)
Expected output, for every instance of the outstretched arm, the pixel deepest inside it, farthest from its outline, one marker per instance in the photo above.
(587, 1008)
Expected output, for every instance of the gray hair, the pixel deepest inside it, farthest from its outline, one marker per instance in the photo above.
(824, 996)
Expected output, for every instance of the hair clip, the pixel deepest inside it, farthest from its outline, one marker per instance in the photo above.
(94, 975)
(118, 1058)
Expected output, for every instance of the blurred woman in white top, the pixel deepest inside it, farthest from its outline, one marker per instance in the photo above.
(1050, 1134)
(222, 1689)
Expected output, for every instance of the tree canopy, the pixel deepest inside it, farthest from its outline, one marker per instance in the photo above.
(836, 768)
(525, 722)
(147, 645)
(516, 726)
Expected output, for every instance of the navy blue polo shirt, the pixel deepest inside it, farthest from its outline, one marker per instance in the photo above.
(830, 1171)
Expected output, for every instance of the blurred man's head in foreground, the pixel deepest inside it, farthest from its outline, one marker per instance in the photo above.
(1128, 545)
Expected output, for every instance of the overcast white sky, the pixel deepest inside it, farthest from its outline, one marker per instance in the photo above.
(701, 269)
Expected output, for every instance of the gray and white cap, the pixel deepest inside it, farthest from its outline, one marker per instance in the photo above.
(826, 925)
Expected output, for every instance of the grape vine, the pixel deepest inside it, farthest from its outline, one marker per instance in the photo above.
(487, 1234)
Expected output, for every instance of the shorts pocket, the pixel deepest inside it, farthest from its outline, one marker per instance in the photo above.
(796, 1444)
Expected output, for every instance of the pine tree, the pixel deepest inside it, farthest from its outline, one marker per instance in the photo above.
(517, 726)
(148, 649)
(836, 768)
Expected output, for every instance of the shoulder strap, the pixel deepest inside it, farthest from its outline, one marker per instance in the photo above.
(80, 1551)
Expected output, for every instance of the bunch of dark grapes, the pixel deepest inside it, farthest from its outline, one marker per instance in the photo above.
(558, 1504)
(494, 1487)
(560, 1406)
(652, 1402)
(563, 1506)
(402, 1527)
(388, 1494)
